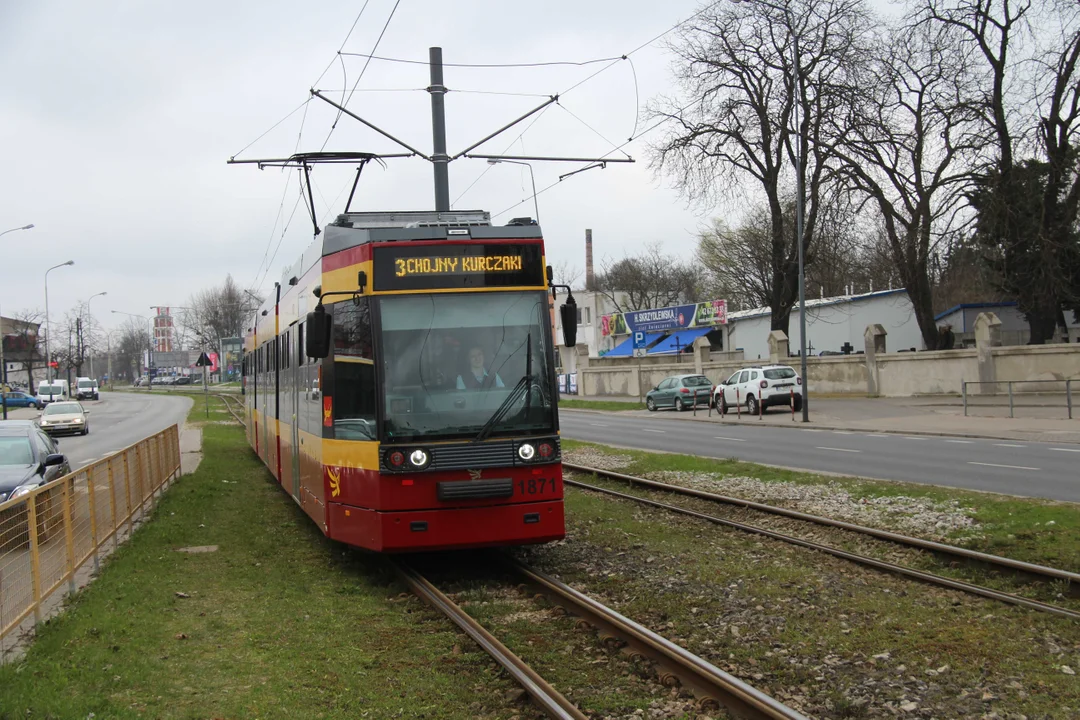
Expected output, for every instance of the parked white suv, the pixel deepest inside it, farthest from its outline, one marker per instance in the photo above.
(765, 385)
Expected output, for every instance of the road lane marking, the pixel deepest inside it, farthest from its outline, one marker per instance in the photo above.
(811, 430)
(842, 432)
(1066, 449)
(840, 449)
(913, 437)
(730, 439)
(599, 424)
(1008, 445)
(1010, 467)
(880, 435)
(662, 432)
(960, 442)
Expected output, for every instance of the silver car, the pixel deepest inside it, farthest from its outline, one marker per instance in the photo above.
(65, 417)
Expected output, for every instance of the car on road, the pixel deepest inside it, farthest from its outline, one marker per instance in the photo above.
(183, 380)
(680, 392)
(16, 399)
(28, 459)
(70, 417)
(52, 391)
(759, 388)
(85, 389)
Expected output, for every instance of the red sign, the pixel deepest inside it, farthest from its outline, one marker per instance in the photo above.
(327, 411)
(54, 364)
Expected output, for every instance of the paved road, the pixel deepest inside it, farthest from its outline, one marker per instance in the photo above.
(1018, 468)
(118, 420)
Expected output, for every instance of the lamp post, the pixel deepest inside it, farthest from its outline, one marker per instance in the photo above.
(532, 178)
(149, 341)
(89, 327)
(48, 324)
(108, 345)
(800, 153)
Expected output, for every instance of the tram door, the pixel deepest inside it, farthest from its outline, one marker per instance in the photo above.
(296, 349)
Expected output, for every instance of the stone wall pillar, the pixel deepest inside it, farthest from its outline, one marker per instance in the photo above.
(874, 339)
(582, 351)
(778, 347)
(634, 386)
(701, 354)
(987, 337)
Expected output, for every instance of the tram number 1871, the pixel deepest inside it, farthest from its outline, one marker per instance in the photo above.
(536, 486)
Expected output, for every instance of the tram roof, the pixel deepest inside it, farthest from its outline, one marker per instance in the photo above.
(352, 229)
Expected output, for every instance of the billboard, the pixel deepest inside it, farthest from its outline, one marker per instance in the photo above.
(676, 317)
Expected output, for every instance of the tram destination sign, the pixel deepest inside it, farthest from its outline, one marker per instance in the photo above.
(457, 267)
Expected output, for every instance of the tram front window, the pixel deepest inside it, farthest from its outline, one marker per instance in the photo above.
(451, 361)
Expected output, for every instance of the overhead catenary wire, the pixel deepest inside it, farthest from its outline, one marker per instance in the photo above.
(576, 63)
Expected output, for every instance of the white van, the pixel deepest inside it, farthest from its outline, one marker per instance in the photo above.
(52, 391)
(85, 389)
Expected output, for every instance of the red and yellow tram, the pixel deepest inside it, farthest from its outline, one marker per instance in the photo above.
(400, 383)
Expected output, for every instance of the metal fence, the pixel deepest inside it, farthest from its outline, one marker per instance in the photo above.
(1028, 387)
(50, 534)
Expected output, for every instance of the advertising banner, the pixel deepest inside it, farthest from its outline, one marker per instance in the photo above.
(677, 317)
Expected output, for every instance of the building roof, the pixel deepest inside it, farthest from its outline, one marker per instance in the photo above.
(974, 306)
(816, 303)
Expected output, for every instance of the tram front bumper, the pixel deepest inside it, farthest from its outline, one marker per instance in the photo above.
(416, 530)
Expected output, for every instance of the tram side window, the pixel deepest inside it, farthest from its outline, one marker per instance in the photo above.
(354, 372)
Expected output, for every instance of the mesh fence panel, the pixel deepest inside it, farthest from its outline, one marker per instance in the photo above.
(46, 535)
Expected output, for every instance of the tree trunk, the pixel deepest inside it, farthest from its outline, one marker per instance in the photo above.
(922, 304)
(1042, 319)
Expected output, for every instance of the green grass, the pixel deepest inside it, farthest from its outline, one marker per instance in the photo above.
(600, 405)
(1006, 525)
(280, 622)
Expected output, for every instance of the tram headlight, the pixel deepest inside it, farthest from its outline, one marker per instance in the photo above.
(526, 451)
(419, 459)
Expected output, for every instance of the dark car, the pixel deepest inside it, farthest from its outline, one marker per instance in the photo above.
(28, 459)
(183, 380)
(20, 399)
(681, 392)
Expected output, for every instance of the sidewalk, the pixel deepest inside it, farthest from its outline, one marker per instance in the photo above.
(906, 416)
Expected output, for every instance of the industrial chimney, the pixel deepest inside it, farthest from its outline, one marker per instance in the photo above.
(590, 279)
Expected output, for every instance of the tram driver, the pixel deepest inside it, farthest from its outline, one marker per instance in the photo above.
(477, 376)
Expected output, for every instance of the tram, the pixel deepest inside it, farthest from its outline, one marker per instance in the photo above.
(400, 383)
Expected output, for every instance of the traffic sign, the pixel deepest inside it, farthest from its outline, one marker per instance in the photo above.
(639, 340)
(639, 352)
(203, 361)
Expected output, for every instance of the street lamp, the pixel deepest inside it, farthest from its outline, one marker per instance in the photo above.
(89, 325)
(3, 363)
(149, 340)
(24, 227)
(800, 152)
(536, 205)
(48, 325)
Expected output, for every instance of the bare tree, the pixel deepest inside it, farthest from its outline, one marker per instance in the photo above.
(23, 345)
(566, 274)
(736, 117)
(219, 312)
(907, 149)
(651, 280)
(1026, 195)
(129, 350)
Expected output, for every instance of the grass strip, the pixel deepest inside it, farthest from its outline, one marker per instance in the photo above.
(1046, 532)
(277, 622)
(600, 405)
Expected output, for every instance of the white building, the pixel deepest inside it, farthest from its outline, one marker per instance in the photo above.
(830, 323)
(592, 306)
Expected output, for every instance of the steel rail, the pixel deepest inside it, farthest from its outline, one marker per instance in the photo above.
(709, 683)
(225, 400)
(548, 698)
(1039, 572)
(920, 575)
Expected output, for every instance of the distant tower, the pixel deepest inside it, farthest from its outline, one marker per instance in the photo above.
(590, 278)
(163, 330)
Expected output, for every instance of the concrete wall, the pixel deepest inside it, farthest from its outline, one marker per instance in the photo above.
(899, 374)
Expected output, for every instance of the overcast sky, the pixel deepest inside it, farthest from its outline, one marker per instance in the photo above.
(117, 120)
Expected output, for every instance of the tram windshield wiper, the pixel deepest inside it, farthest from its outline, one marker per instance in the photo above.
(524, 385)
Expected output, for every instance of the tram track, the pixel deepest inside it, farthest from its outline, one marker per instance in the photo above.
(995, 562)
(712, 687)
(228, 401)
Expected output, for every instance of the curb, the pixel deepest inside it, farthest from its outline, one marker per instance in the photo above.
(842, 428)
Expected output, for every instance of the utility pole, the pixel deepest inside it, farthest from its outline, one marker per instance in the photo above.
(3, 369)
(439, 159)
